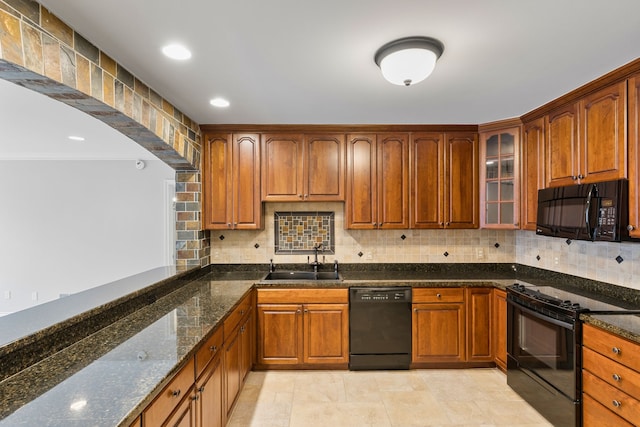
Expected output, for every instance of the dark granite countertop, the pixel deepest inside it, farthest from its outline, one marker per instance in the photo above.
(116, 370)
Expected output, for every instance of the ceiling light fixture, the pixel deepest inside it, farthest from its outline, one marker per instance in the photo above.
(177, 52)
(76, 138)
(409, 60)
(219, 102)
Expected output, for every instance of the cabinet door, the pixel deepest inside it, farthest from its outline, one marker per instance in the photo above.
(217, 188)
(479, 306)
(185, 413)
(532, 172)
(279, 334)
(561, 146)
(438, 333)
(361, 205)
(427, 180)
(393, 180)
(282, 164)
(247, 206)
(170, 398)
(246, 346)
(634, 156)
(461, 198)
(603, 135)
(326, 333)
(500, 328)
(499, 178)
(324, 167)
(210, 395)
(232, 370)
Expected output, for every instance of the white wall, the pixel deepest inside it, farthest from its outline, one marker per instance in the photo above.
(70, 225)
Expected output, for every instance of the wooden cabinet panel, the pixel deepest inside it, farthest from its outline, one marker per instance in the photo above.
(610, 397)
(362, 191)
(603, 134)
(231, 371)
(596, 415)
(426, 154)
(282, 163)
(326, 333)
(279, 333)
(210, 391)
(299, 296)
(614, 373)
(170, 397)
(634, 156)
(479, 306)
(437, 295)
(324, 167)
(438, 333)
(532, 178)
(377, 181)
(562, 146)
(231, 182)
(612, 346)
(500, 328)
(211, 348)
(461, 200)
(184, 415)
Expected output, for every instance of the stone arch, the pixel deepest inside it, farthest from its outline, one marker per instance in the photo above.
(42, 53)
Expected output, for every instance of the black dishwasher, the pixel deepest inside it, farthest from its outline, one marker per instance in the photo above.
(379, 328)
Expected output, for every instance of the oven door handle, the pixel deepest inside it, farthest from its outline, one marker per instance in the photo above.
(541, 316)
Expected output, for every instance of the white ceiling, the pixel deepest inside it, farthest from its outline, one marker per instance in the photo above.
(294, 61)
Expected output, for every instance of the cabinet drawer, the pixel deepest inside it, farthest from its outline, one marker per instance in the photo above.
(232, 321)
(208, 351)
(427, 295)
(612, 346)
(596, 415)
(615, 374)
(303, 296)
(169, 397)
(610, 397)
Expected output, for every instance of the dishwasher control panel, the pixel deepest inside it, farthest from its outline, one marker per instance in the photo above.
(362, 295)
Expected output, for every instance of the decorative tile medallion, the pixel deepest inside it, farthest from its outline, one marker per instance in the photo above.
(299, 232)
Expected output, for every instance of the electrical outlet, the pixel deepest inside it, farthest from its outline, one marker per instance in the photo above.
(480, 253)
(7, 294)
(34, 296)
(555, 260)
(216, 255)
(369, 255)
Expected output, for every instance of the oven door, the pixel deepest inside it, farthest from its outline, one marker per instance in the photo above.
(543, 347)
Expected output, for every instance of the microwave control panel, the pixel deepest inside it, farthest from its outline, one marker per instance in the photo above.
(607, 217)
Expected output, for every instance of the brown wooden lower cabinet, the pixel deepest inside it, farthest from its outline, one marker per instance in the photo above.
(479, 304)
(303, 327)
(185, 414)
(173, 396)
(499, 328)
(210, 388)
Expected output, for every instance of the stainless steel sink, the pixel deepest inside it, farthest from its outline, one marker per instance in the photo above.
(302, 275)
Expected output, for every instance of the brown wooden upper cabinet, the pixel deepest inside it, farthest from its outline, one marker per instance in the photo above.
(377, 181)
(444, 180)
(499, 178)
(532, 177)
(634, 156)
(586, 140)
(303, 167)
(231, 181)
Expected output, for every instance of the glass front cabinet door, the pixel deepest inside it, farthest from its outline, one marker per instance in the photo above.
(499, 178)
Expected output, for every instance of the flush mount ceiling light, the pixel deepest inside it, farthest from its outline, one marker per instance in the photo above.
(177, 52)
(219, 102)
(409, 60)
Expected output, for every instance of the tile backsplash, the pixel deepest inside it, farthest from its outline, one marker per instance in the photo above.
(299, 232)
(592, 260)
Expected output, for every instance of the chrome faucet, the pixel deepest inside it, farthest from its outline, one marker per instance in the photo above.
(315, 262)
(272, 266)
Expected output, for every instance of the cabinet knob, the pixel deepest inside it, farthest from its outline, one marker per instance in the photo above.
(300, 196)
(175, 393)
(306, 310)
(617, 403)
(580, 176)
(201, 389)
(447, 223)
(439, 295)
(616, 377)
(306, 195)
(213, 348)
(229, 225)
(630, 227)
(616, 350)
(573, 177)
(195, 397)
(298, 311)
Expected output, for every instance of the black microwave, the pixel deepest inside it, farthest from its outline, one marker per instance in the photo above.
(597, 211)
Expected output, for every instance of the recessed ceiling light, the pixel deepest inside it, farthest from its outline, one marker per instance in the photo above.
(176, 51)
(219, 102)
(76, 138)
(78, 405)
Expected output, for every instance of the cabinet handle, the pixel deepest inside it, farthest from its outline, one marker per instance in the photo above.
(201, 389)
(300, 196)
(306, 195)
(616, 377)
(573, 177)
(298, 311)
(447, 223)
(617, 403)
(175, 393)
(616, 350)
(213, 348)
(196, 397)
(228, 225)
(439, 295)
(306, 310)
(630, 227)
(580, 176)
(415, 309)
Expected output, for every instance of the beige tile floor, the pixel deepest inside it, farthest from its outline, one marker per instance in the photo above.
(465, 397)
